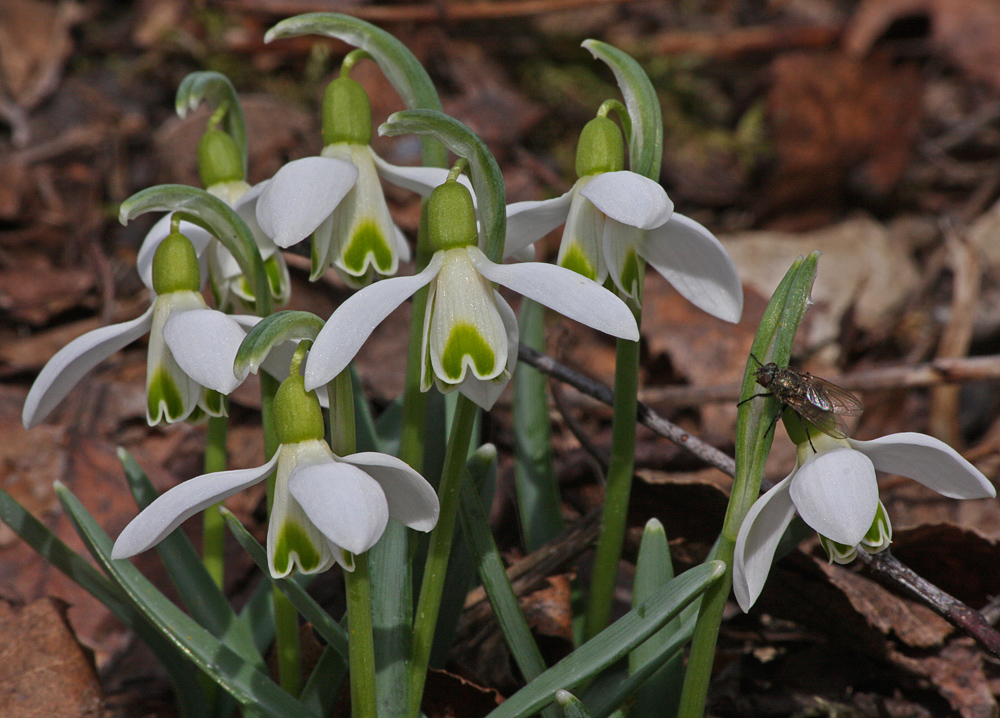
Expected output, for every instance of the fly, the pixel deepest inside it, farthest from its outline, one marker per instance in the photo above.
(815, 400)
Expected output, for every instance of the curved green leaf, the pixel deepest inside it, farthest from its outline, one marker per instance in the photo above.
(271, 331)
(645, 146)
(217, 91)
(613, 642)
(397, 63)
(213, 215)
(483, 169)
(250, 687)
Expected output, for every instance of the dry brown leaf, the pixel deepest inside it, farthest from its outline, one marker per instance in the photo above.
(35, 41)
(861, 269)
(965, 31)
(957, 673)
(838, 123)
(45, 671)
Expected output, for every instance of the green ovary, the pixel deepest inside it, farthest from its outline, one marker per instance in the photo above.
(367, 239)
(577, 260)
(465, 340)
(293, 539)
(161, 390)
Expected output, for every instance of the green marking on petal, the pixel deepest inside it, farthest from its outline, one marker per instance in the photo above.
(629, 276)
(163, 397)
(274, 275)
(578, 261)
(214, 402)
(367, 240)
(466, 341)
(293, 539)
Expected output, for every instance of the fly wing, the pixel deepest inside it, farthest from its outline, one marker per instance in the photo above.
(831, 398)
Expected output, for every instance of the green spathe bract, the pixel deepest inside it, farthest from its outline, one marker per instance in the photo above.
(600, 149)
(175, 265)
(451, 217)
(347, 113)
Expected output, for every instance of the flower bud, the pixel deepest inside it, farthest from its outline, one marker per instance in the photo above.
(600, 149)
(219, 159)
(451, 217)
(175, 265)
(297, 413)
(347, 113)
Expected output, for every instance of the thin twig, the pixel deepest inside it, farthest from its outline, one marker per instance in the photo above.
(647, 417)
(888, 569)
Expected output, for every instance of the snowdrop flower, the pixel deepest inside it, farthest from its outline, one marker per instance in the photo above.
(221, 169)
(614, 217)
(834, 490)
(172, 395)
(338, 198)
(470, 333)
(326, 508)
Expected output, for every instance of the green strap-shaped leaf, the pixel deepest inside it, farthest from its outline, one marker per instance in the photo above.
(213, 215)
(645, 146)
(250, 687)
(325, 682)
(613, 642)
(331, 631)
(191, 698)
(483, 169)
(279, 327)
(217, 91)
(534, 476)
(197, 590)
(571, 705)
(513, 625)
(653, 568)
(397, 63)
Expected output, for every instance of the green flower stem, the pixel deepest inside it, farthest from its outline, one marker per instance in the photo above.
(213, 526)
(286, 620)
(438, 553)
(362, 648)
(618, 487)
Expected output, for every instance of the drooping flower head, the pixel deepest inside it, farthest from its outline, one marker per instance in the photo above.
(617, 220)
(172, 395)
(470, 332)
(221, 168)
(326, 508)
(337, 197)
(834, 489)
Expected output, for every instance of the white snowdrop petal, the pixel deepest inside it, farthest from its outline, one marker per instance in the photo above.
(62, 372)
(629, 198)
(565, 291)
(421, 180)
(347, 505)
(696, 264)
(204, 343)
(527, 222)
(757, 541)
(836, 493)
(931, 462)
(411, 500)
(172, 508)
(301, 195)
(354, 320)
